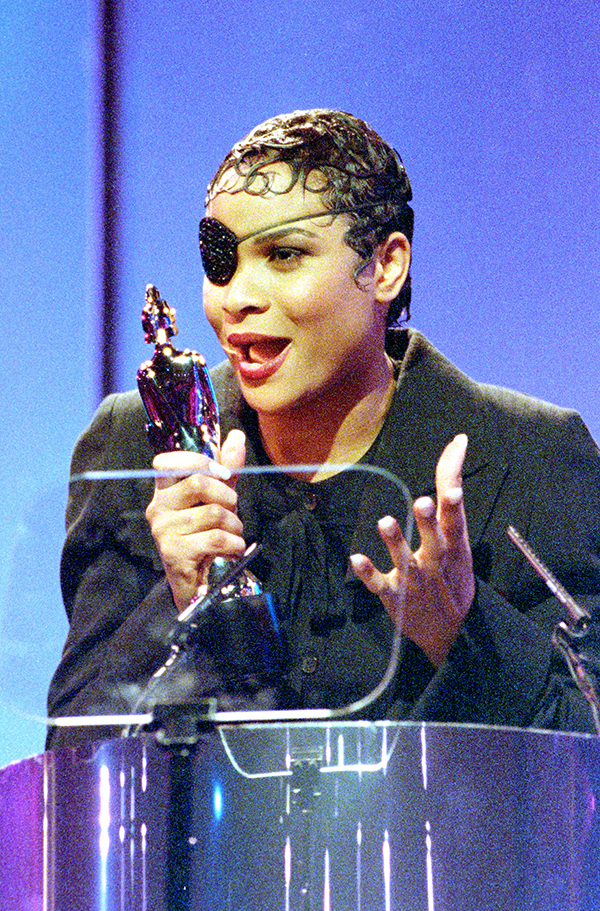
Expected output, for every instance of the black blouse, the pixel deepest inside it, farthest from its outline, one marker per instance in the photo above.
(326, 614)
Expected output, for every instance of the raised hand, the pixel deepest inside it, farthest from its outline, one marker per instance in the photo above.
(429, 592)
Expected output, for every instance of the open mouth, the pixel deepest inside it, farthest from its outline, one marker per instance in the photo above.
(257, 356)
(257, 349)
(263, 351)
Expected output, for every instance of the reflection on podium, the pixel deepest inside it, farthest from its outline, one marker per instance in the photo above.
(289, 817)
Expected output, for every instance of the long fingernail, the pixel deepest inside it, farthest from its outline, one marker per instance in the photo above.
(219, 471)
(238, 436)
(454, 495)
(357, 562)
(387, 525)
(426, 507)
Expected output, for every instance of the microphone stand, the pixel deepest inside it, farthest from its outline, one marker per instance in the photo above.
(567, 638)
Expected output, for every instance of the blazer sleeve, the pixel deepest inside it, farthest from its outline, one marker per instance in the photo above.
(115, 592)
(116, 597)
(503, 668)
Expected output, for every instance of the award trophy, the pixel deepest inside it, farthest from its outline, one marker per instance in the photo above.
(175, 387)
(234, 621)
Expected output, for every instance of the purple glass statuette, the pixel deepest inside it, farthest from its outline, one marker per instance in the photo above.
(175, 387)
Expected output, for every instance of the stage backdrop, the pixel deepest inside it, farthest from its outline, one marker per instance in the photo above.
(494, 108)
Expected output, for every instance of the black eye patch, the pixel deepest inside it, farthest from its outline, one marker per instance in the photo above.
(218, 249)
(218, 243)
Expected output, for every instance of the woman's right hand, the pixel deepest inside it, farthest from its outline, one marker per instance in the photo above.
(193, 519)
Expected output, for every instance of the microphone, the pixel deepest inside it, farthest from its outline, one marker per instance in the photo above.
(566, 638)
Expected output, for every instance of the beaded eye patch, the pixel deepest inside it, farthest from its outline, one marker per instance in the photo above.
(219, 244)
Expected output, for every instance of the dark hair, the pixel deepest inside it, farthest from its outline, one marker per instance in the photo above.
(361, 172)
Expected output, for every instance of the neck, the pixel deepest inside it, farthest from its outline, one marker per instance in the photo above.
(336, 428)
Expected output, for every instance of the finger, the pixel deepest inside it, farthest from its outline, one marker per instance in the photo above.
(200, 548)
(184, 462)
(392, 595)
(368, 574)
(199, 519)
(395, 542)
(233, 450)
(187, 463)
(196, 490)
(451, 512)
(430, 533)
(453, 523)
(448, 473)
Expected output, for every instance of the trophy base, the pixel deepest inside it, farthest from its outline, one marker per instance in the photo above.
(242, 636)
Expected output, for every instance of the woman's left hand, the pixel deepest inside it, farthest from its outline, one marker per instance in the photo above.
(429, 592)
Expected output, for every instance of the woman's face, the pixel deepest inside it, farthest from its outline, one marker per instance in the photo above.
(292, 320)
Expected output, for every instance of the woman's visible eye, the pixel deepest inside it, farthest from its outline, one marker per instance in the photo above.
(286, 255)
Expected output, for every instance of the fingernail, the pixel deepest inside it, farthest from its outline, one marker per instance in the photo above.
(454, 495)
(219, 471)
(387, 525)
(426, 507)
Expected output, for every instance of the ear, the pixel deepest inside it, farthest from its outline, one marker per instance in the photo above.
(392, 262)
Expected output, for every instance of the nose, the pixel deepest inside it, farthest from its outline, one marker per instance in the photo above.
(244, 293)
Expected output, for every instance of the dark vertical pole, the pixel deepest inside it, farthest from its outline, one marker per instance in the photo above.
(179, 847)
(110, 196)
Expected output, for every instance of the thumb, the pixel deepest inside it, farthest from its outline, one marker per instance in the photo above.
(233, 450)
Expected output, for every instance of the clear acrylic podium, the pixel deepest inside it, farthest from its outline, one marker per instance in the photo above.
(293, 816)
(346, 816)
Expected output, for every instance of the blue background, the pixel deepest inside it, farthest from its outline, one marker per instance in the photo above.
(494, 108)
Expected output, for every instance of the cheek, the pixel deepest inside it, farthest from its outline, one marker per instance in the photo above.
(212, 306)
(316, 300)
(336, 309)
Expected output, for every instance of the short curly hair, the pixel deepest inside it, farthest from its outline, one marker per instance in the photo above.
(361, 172)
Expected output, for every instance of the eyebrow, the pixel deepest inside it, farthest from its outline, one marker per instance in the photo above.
(278, 233)
(287, 225)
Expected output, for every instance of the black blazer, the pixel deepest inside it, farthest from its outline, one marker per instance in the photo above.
(529, 464)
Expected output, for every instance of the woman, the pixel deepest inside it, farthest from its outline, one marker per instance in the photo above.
(306, 249)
